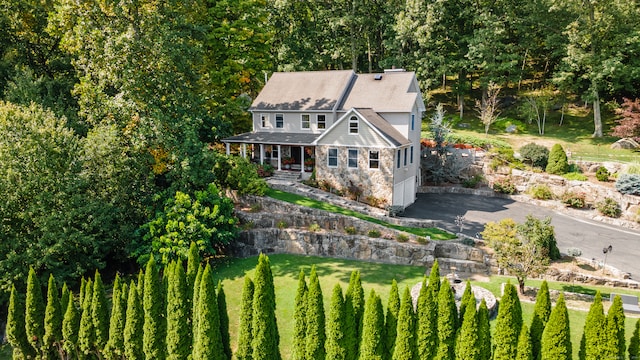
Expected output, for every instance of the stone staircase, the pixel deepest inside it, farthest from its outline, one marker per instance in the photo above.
(285, 176)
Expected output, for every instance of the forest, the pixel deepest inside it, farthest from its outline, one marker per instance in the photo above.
(111, 111)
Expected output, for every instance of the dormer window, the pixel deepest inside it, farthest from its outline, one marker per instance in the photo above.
(353, 125)
(306, 124)
(322, 122)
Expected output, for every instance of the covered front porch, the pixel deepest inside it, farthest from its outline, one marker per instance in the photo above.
(283, 151)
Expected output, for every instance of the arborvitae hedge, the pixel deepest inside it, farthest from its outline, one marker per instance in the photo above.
(194, 302)
(300, 319)
(634, 343)
(556, 338)
(541, 314)
(178, 329)
(154, 331)
(52, 320)
(245, 352)
(86, 332)
(467, 297)
(447, 320)
(34, 316)
(484, 332)
(265, 329)
(15, 329)
(224, 320)
(70, 327)
(405, 344)
(391, 318)
(427, 321)
(133, 324)
(508, 325)
(115, 346)
(354, 306)
(468, 340)
(615, 339)
(99, 313)
(316, 335)
(207, 341)
(335, 345)
(594, 328)
(372, 344)
(525, 350)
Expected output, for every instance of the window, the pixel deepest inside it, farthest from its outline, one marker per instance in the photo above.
(305, 121)
(264, 120)
(353, 125)
(321, 122)
(279, 121)
(374, 159)
(332, 157)
(353, 158)
(405, 156)
(398, 160)
(413, 122)
(411, 156)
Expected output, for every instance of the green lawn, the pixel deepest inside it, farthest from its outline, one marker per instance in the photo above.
(433, 233)
(374, 276)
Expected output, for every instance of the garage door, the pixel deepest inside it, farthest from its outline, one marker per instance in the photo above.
(404, 193)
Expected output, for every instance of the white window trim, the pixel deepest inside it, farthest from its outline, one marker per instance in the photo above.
(264, 121)
(318, 122)
(349, 158)
(329, 157)
(280, 127)
(357, 122)
(378, 160)
(302, 122)
(406, 151)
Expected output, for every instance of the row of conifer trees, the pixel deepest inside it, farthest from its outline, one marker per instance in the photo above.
(181, 315)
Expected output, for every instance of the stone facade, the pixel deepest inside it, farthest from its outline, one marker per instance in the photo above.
(377, 183)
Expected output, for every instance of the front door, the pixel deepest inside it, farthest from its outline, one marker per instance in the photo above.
(296, 154)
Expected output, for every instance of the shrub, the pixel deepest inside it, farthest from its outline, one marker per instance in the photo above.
(468, 241)
(628, 184)
(575, 176)
(534, 154)
(473, 181)
(609, 207)
(541, 192)
(314, 227)
(238, 173)
(504, 186)
(557, 163)
(574, 252)
(602, 174)
(402, 238)
(423, 240)
(350, 230)
(503, 156)
(282, 224)
(374, 233)
(574, 200)
(265, 170)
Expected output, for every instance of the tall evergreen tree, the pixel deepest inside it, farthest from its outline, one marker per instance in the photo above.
(224, 320)
(484, 331)
(193, 264)
(316, 334)
(70, 327)
(133, 327)
(178, 330)
(354, 305)
(524, 344)
(115, 345)
(86, 332)
(300, 319)
(594, 328)
(64, 298)
(372, 344)
(194, 302)
(405, 342)
(541, 314)
(508, 325)
(467, 341)
(99, 313)
(427, 324)
(434, 277)
(52, 319)
(614, 347)
(34, 314)
(634, 343)
(467, 298)
(83, 285)
(265, 338)
(335, 345)
(245, 352)
(208, 341)
(154, 331)
(391, 319)
(15, 329)
(556, 338)
(447, 319)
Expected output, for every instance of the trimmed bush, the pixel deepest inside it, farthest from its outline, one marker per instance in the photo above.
(558, 163)
(374, 233)
(574, 200)
(541, 192)
(535, 155)
(504, 186)
(602, 174)
(575, 176)
(473, 182)
(609, 207)
(628, 184)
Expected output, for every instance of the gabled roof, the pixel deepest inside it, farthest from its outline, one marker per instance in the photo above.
(304, 90)
(381, 126)
(392, 91)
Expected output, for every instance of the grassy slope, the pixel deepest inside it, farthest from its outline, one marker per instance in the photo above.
(374, 276)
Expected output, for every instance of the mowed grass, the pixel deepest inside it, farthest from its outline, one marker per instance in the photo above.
(433, 233)
(374, 276)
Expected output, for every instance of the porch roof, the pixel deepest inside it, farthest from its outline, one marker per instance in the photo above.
(273, 138)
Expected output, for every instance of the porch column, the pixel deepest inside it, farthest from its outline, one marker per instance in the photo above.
(261, 154)
(228, 148)
(244, 150)
(302, 159)
(279, 158)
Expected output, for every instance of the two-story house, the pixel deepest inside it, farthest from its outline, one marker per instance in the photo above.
(360, 130)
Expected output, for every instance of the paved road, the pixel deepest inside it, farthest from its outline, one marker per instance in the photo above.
(586, 235)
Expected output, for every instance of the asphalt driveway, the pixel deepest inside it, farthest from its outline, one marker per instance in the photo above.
(571, 232)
